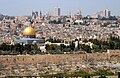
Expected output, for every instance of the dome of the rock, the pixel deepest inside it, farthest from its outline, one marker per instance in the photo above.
(28, 31)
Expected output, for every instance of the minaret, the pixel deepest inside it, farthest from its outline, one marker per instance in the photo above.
(69, 13)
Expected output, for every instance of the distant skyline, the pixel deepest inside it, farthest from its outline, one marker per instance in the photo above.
(87, 7)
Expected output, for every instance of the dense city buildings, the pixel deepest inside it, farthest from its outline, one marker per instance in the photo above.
(49, 44)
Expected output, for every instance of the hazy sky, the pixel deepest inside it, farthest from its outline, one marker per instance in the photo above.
(25, 7)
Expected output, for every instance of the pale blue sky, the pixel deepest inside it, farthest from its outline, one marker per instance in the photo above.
(88, 7)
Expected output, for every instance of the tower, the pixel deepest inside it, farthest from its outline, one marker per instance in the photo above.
(106, 13)
(34, 14)
(40, 14)
(57, 11)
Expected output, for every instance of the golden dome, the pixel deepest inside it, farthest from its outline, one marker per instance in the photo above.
(29, 31)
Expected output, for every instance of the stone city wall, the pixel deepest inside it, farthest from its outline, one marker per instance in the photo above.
(57, 59)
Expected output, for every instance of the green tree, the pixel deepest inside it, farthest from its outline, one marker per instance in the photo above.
(95, 48)
(27, 48)
(85, 40)
(62, 46)
(81, 73)
(72, 46)
(3, 46)
(48, 47)
(103, 72)
(35, 49)
(86, 48)
(53, 48)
